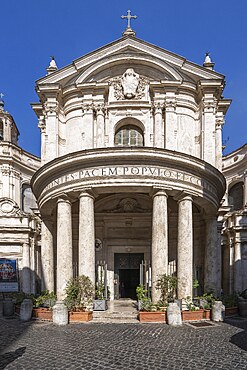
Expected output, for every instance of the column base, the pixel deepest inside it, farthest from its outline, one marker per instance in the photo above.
(60, 314)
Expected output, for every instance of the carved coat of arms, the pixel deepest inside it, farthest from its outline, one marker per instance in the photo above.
(129, 86)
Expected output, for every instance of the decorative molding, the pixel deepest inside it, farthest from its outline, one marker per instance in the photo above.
(9, 208)
(51, 107)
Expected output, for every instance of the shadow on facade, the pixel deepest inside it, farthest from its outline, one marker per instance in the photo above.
(12, 327)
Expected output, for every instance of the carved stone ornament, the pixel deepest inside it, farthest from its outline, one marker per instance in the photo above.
(129, 86)
(127, 205)
(9, 208)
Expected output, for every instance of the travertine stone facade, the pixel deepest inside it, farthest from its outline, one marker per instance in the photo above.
(19, 225)
(131, 143)
(234, 221)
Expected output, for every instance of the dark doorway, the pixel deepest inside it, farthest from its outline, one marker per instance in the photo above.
(128, 281)
(127, 274)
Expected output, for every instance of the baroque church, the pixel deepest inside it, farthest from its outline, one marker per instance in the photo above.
(131, 177)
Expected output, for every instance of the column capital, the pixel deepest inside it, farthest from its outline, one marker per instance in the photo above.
(183, 196)
(64, 199)
(170, 104)
(87, 192)
(157, 107)
(99, 109)
(159, 192)
(26, 244)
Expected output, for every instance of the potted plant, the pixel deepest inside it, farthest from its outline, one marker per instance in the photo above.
(79, 298)
(43, 305)
(150, 312)
(230, 302)
(193, 312)
(100, 301)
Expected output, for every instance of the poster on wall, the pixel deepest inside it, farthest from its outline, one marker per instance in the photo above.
(8, 275)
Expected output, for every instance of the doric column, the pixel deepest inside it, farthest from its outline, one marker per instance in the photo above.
(158, 125)
(47, 256)
(159, 240)
(26, 268)
(170, 122)
(245, 189)
(212, 263)
(64, 246)
(86, 245)
(237, 267)
(185, 247)
(218, 140)
(100, 126)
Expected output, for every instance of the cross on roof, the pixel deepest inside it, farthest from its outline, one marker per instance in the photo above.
(1, 95)
(129, 17)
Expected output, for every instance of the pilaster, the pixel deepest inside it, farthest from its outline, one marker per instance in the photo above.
(159, 131)
(212, 262)
(170, 123)
(26, 268)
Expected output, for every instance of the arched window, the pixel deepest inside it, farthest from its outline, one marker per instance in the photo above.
(129, 135)
(1, 129)
(235, 196)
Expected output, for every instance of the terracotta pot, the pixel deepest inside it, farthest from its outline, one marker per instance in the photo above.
(42, 313)
(158, 316)
(80, 316)
(192, 315)
(230, 311)
(207, 314)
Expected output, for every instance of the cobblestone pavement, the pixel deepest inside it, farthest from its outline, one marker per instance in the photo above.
(41, 345)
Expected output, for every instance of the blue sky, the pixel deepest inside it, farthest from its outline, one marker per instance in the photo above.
(32, 30)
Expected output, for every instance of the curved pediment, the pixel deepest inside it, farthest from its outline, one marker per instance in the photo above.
(152, 68)
(101, 64)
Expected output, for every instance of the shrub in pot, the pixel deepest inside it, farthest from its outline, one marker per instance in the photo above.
(79, 298)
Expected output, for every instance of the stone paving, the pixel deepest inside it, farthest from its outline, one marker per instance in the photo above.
(41, 345)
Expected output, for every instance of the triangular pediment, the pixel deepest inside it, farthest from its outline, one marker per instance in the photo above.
(112, 59)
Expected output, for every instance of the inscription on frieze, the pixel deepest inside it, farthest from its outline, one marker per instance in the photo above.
(129, 172)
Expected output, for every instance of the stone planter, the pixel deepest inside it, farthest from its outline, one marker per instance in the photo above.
(230, 311)
(42, 313)
(100, 305)
(242, 307)
(207, 314)
(193, 315)
(8, 307)
(157, 316)
(80, 316)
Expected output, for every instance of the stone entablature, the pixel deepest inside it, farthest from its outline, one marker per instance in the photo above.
(140, 168)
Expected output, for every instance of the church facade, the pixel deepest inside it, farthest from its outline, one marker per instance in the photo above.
(131, 154)
(131, 174)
